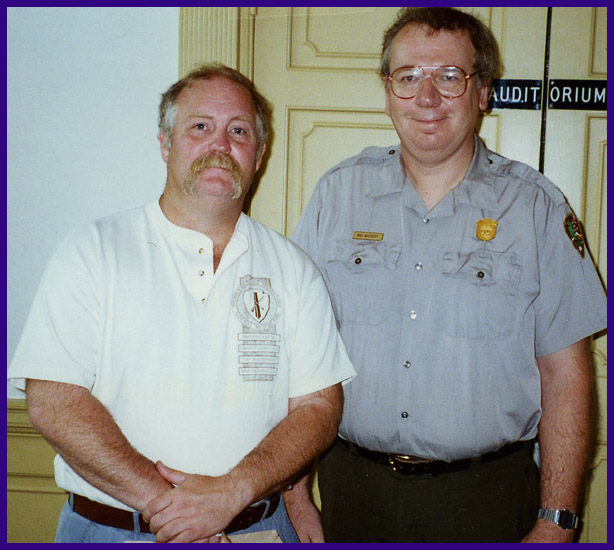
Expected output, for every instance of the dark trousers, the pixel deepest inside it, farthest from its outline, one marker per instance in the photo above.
(363, 501)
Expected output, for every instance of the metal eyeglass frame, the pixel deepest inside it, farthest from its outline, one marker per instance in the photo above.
(467, 77)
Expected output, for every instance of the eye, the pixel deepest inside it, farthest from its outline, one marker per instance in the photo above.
(409, 75)
(243, 131)
(200, 126)
(450, 76)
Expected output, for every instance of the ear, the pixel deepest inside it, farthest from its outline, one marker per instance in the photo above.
(387, 101)
(483, 94)
(386, 85)
(164, 149)
(260, 156)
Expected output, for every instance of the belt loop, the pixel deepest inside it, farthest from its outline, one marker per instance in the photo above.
(267, 505)
(137, 525)
(71, 501)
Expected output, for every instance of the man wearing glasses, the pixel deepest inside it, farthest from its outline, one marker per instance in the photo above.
(466, 298)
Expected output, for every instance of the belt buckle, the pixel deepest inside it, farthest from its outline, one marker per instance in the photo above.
(403, 459)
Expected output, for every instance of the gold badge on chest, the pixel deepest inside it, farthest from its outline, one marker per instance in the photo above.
(486, 229)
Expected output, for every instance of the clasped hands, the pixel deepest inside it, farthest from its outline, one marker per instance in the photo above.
(197, 509)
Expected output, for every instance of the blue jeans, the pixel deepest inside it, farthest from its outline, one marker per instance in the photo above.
(75, 528)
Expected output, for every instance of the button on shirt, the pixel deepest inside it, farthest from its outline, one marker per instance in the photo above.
(442, 327)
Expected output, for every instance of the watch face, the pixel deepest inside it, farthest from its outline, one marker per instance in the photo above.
(567, 520)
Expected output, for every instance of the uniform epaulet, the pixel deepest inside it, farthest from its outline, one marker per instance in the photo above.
(518, 170)
(369, 155)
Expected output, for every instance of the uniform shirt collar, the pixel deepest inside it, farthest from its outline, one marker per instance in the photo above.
(476, 189)
(391, 176)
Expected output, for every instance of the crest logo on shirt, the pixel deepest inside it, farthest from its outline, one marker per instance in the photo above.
(573, 228)
(257, 306)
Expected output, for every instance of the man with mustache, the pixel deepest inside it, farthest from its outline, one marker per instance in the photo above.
(182, 359)
(466, 299)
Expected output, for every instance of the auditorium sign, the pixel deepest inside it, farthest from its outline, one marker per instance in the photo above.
(581, 95)
(516, 94)
(578, 95)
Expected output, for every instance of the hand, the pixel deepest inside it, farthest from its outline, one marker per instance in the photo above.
(305, 519)
(195, 510)
(222, 537)
(302, 512)
(546, 531)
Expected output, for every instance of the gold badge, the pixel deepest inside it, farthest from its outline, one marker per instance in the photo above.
(486, 229)
(367, 236)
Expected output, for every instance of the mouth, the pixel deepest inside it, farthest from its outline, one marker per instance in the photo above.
(429, 125)
(219, 161)
(428, 120)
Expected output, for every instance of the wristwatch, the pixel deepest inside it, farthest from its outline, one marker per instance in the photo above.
(563, 518)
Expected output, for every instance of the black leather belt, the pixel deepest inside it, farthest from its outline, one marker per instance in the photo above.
(415, 466)
(123, 519)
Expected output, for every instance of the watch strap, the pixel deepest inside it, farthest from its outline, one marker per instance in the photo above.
(563, 518)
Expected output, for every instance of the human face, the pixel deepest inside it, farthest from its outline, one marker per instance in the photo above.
(213, 150)
(434, 129)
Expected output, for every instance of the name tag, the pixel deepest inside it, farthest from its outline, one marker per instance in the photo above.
(366, 236)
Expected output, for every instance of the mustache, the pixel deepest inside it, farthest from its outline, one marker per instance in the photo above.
(214, 159)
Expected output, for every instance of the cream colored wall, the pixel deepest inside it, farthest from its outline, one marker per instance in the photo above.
(317, 66)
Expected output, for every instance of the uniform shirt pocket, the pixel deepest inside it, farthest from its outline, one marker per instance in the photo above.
(362, 277)
(480, 293)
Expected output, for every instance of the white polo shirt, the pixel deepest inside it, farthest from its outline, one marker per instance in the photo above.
(195, 367)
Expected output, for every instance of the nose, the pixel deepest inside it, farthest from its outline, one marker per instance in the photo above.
(427, 95)
(220, 141)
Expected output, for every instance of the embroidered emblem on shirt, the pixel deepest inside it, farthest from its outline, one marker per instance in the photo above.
(257, 306)
(486, 229)
(367, 236)
(573, 228)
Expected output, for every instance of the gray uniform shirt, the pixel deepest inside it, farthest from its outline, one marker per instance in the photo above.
(443, 327)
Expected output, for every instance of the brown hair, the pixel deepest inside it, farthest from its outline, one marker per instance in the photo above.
(487, 58)
(167, 115)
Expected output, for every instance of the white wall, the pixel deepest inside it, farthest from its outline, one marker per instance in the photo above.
(82, 95)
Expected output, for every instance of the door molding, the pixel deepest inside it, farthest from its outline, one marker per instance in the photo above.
(217, 35)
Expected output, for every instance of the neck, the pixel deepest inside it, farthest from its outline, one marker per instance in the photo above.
(212, 217)
(433, 185)
(434, 180)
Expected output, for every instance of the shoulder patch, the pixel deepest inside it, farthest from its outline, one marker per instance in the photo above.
(574, 231)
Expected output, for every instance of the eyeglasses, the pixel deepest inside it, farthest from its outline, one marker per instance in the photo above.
(450, 82)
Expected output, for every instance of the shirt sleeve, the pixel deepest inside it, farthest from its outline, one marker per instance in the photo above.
(571, 304)
(318, 357)
(61, 335)
(305, 234)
